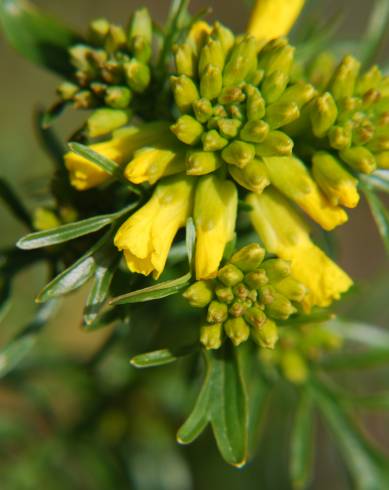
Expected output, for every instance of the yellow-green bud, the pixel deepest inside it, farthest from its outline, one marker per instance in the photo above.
(228, 127)
(203, 110)
(255, 105)
(280, 114)
(266, 294)
(324, 113)
(369, 80)
(300, 93)
(105, 120)
(255, 317)
(45, 219)
(137, 75)
(276, 56)
(383, 159)
(217, 312)
(379, 143)
(254, 176)
(280, 308)
(211, 82)
(256, 279)
(274, 85)
(291, 289)
(241, 292)
(185, 92)
(237, 309)
(294, 367)
(84, 100)
(118, 97)
(212, 141)
(98, 31)
(238, 153)
(231, 95)
(345, 77)
(199, 294)
(67, 90)
(321, 70)
(211, 336)
(219, 111)
(242, 61)
(140, 34)
(359, 158)
(277, 143)
(98, 88)
(112, 72)
(266, 335)
(187, 129)
(224, 36)
(116, 39)
(202, 162)
(276, 269)
(185, 60)
(224, 294)
(237, 330)
(79, 57)
(249, 257)
(340, 137)
(254, 131)
(212, 53)
(230, 275)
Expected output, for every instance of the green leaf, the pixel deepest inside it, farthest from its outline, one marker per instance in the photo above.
(222, 402)
(379, 401)
(375, 32)
(301, 451)
(362, 333)
(358, 360)
(161, 357)
(368, 468)
(160, 290)
(11, 200)
(38, 37)
(53, 113)
(379, 180)
(379, 213)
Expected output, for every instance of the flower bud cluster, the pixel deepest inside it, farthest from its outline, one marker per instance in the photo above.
(234, 99)
(110, 67)
(246, 298)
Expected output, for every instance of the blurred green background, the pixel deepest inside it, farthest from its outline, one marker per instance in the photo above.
(158, 463)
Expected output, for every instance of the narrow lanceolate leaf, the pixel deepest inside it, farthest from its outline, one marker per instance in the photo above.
(11, 200)
(376, 30)
(161, 290)
(38, 37)
(190, 240)
(379, 180)
(368, 468)
(380, 214)
(222, 402)
(369, 335)
(161, 357)
(74, 276)
(359, 360)
(301, 451)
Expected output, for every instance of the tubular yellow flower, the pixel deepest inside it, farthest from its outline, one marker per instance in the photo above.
(291, 177)
(120, 148)
(146, 236)
(285, 234)
(273, 18)
(215, 208)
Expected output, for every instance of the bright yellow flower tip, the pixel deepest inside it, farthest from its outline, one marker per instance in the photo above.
(120, 148)
(290, 176)
(216, 202)
(285, 234)
(146, 236)
(198, 33)
(273, 18)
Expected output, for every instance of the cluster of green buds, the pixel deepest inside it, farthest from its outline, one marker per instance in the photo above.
(345, 128)
(246, 298)
(109, 68)
(299, 346)
(233, 99)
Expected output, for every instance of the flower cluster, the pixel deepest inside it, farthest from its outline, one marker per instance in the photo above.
(247, 296)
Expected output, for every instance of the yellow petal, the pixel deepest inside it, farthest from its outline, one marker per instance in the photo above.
(285, 234)
(273, 18)
(216, 202)
(146, 236)
(120, 148)
(291, 177)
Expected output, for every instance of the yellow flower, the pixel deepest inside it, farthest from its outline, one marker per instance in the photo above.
(146, 236)
(291, 177)
(273, 18)
(285, 234)
(215, 208)
(120, 148)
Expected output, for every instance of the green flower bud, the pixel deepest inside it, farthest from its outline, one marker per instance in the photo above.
(217, 312)
(276, 144)
(202, 162)
(212, 53)
(98, 31)
(321, 70)
(266, 335)
(185, 92)
(379, 143)
(359, 158)
(256, 279)
(254, 131)
(228, 127)
(224, 36)
(219, 111)
(118, 97)
(324, 113)
(383, 159)
(236, 112)
(280, 114)
(291, 289)
(185, 60)
(231, 95)
(211, 82)
(112, 72)
(255, 317)
(98, 88)
(237, 330)
(280, 308)
(230, 275)
(266, 294)
(211, 336)
(238, 153)
(105, 120)
(116, 39)
(274, 85)
(276, 56)
(255, 105)
(294, 367)
(340, 137)
(67, 90)
(241, 292)
(242, 60)
(224, 294)
(137, 75)
(345, 77)
(80, 56)
(300, 93)
(238, 308)
(254, 176)
(212, 141)
(140, 34)
(187, 130)
(203, 110)
(45, 219)
(369, 80)
(276, 269)
(199, 294)
(249, 257)
(84, 100)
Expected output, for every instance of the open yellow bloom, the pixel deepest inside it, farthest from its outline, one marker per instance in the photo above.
(285, 234)
(146, 237)
(273, 18)
(291, 177)
(216, 203)
(120, 148)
